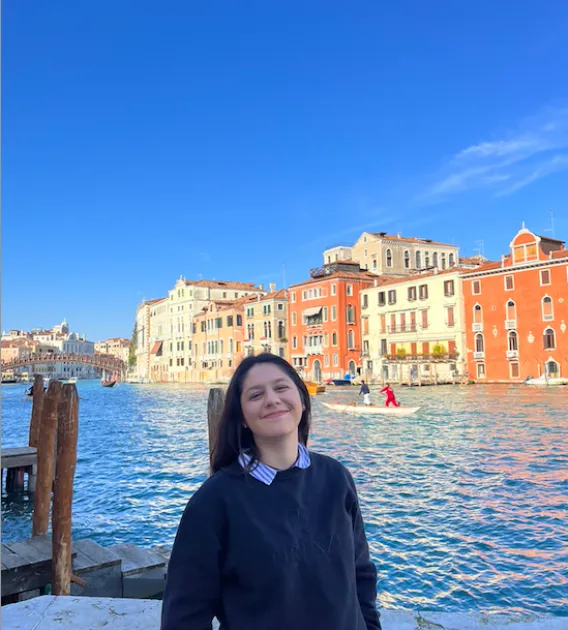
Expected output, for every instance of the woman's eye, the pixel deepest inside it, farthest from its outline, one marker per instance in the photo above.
(282, 387)
(255, 396)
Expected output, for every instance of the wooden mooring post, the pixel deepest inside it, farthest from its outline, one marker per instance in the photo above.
(214, 410)
(67, 432)
(37, 406)
(45, 458)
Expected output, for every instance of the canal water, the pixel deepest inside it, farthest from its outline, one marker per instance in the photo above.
(465, 503)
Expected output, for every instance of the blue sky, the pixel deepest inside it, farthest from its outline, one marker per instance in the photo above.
(144, 141)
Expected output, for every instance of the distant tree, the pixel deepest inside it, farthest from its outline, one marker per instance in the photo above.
(132, 351)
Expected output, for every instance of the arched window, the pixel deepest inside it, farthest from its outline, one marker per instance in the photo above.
(221, 343)
(350, 339)
(435, 259)
(552, 368)
(265, 329)
(389, 258)
(427, 259)
(418, 260)
(479, 343)
(443, 261)
(513, 340)
(280, 329)
(231, 345)
(547, 309)
(407, 259)
(451, 261)
(511, 311)
(477, 314)
(549, 339)
(269, 330)
(334, 338)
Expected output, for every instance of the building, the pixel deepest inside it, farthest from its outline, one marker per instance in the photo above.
(141, 370)
(389, 255)
(217, 340)
(160, 348)
(325, 326)
(516, 312)
(413, 328)
(266, 323)
(116, 346)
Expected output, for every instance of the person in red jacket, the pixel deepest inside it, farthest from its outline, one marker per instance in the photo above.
(388, 392)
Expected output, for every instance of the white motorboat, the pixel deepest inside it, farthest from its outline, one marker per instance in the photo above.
(546, 381)
(371, 409)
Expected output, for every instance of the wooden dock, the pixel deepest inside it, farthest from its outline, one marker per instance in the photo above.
(122, 570)
(19, 463)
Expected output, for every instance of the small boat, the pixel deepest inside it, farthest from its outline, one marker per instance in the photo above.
(546, 381)
(340, 382)
(9, 381)
(314, 388)
(73, 379)
(108, 383)
(372, 409)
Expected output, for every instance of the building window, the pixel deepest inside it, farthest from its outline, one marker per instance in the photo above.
(451, 316)
(424, 318)
(411, 294)
(549, 339)
(365, 301)
(350, 340)
(514, 369)
(449, 288)
(418, 260)
(552, 368)
(335, 360)
(333, 338)
(511, 311)
(477, 314)
(513, 341)
(324, 313)
(544, 277)
(333, 289)
(476, 287)
(451, 261)
(382, 300)
(293, 296)
(509, 283)
(294, 319)
(392, 296)
(423, 291)
(325, 340)
(333, 313)
(350, 313)
(326, 360)
(435, 259)
(547, 309)
(480, 370)
(374, 263)
(389, 258)
(349, 289)
(443, 261)
(294, 342)
(479, 343)
(525, 253)
(427, 260)
(407, 259)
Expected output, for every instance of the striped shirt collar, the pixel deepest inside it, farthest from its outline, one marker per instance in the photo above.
(265, 473)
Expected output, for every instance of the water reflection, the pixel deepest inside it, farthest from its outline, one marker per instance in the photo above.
(466, 503)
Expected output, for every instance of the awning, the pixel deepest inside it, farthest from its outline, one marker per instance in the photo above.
(310, 312)
(156, 347)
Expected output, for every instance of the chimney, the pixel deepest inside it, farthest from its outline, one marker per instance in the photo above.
(502, 260)
(260, 286)
(399, 235)
(375, 283)
(272, 287)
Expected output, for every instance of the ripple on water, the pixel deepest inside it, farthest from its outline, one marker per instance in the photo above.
(465, 503)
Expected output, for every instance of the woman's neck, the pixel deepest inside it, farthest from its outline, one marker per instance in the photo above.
(279, 454)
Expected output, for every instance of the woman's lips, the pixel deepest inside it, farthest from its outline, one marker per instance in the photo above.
(275, 414)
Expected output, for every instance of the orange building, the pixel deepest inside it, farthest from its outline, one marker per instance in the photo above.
(217, 340)
(516, 312)
(325, 321)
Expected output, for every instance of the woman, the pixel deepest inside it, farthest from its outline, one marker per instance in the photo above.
(274, 539)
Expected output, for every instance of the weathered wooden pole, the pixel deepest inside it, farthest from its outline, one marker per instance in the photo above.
(214, 410)
(45, 458)
(67, 432)
(37, 406)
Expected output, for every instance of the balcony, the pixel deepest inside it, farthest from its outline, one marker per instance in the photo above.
(313, 349)
(402, 329)
(512, 354)
(477, 356)
(510, 324)
(477, 327)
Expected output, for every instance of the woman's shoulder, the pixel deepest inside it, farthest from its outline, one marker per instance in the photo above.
(330, 465)
(211, 491)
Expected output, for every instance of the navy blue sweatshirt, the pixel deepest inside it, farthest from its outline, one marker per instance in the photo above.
(288, 556)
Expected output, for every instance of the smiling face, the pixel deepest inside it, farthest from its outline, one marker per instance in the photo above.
(271, 403)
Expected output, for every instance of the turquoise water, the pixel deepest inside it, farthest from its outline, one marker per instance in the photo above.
(466, 503)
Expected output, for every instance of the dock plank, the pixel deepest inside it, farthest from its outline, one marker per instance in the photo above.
(135, 559)
(91, 555)
(30, 555)
(10, 560)
(18, 457)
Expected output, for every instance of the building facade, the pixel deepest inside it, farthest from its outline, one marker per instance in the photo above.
(395, 255)
(116, 346)
(266, 323)
(516, 312)
(324, 322)
(413, 329)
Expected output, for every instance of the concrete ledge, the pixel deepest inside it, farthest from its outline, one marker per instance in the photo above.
(59, 613)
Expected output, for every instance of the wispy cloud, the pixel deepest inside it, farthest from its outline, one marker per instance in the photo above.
(536, 148)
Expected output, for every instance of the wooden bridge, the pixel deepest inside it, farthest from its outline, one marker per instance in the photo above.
(101, 361)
